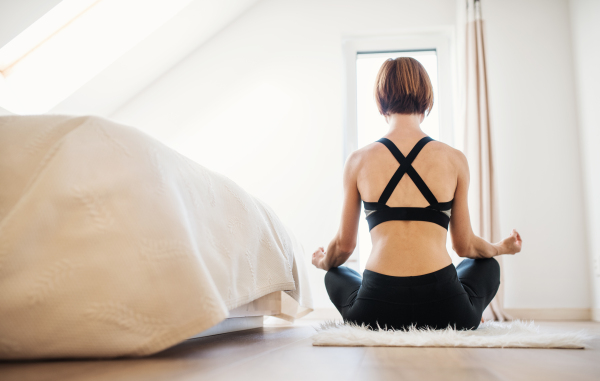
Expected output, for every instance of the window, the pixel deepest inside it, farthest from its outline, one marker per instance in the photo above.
(364, 124)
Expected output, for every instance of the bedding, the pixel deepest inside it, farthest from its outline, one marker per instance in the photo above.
(113, 244)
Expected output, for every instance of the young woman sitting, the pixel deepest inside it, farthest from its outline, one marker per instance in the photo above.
(413, 189)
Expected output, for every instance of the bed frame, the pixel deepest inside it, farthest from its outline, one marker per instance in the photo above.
(247, 316)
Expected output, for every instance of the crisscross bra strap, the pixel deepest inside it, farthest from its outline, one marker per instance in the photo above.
(406, 167)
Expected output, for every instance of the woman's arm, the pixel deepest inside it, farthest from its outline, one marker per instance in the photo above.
(344, 242)
(464, 241)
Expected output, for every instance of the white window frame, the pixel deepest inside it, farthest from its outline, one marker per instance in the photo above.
(441, 42)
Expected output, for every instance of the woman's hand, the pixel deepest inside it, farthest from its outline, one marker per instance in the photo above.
(512, 244)
(318, 258)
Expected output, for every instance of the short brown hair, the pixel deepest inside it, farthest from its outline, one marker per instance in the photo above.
(403, 87)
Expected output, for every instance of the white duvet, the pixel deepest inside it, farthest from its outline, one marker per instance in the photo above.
(112, 244)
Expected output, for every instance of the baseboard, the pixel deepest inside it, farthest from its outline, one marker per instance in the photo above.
(552, 313)
(596, 314)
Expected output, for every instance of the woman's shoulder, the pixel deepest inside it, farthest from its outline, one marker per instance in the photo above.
(454, 159)
(456, 156)
(439, 150)
(367, 154)
(359, 160)
(369, 149)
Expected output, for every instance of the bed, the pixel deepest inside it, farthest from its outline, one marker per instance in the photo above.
(112, 244)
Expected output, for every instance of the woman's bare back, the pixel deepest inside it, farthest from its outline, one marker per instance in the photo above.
(407, 248)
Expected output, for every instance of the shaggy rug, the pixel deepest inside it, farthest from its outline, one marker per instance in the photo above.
(514, 334)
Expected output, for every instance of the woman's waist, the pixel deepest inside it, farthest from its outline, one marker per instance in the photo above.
(440, 284)
(407, 260)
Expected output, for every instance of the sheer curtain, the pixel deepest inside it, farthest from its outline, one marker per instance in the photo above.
(483, 202)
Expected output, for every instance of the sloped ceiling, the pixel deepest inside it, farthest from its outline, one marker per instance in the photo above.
(17, 15)
(143, 64)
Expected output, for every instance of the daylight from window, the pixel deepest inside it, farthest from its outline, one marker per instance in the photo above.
(371, 125)
(70, 45)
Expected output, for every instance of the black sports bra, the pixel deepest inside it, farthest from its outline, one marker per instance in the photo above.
(436, 212)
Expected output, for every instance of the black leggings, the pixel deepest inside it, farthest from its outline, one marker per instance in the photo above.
(454, 296)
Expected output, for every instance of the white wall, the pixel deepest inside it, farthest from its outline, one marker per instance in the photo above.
(534, 119)
(585, 22)
(276, 73)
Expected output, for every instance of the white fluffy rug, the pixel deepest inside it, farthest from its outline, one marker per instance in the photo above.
(515, 334)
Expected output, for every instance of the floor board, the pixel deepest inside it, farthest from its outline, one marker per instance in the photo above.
(284, 352)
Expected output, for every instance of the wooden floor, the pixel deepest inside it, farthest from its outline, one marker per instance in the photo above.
(285, 353)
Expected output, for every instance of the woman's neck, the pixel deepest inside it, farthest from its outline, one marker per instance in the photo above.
(405, 124)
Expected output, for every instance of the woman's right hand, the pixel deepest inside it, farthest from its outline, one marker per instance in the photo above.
(512, 244)
(318, 257)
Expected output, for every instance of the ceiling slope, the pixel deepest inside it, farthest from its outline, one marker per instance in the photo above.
(16, 16)
(152, 57)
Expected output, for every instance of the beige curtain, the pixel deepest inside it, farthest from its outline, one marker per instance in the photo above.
(478, 145)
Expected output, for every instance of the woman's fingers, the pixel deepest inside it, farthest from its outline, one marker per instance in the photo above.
(516, 240)
(318, 253)
(517, 236)
(317, 257)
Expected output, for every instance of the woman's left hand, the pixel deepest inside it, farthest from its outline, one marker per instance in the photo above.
(318, 257)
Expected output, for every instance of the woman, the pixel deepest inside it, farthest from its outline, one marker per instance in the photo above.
(413, 189)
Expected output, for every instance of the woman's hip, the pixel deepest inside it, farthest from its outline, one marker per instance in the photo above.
(456, 311)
